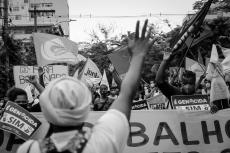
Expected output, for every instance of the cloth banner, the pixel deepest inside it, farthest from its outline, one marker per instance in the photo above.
(191, 102)
(54, 49)
(158, 131)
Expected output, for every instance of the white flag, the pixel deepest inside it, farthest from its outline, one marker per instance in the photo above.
(91, 72)
(214, 55)
(54, 49)
(104, 80)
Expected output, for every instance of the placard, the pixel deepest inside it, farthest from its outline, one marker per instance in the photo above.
(18, 121)
(191, 102)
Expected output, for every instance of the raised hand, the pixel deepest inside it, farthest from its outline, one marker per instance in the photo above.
(140, 45)
(32, 79)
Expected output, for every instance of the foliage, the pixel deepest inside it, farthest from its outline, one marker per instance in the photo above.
(218, 5)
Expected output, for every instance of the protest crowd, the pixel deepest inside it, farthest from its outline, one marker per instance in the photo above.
(83, 112)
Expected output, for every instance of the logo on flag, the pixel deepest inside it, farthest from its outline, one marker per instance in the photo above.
(54, 49)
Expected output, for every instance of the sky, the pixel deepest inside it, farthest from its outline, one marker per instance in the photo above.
(121, 15)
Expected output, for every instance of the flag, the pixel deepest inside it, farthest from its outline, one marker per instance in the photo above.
(54, 49)
(192, 26)
(91, 72)
(200, 59)
(120, 60)
(104, 80)
(226, 62)
(114, 84)
(195, 67)
(214, 55)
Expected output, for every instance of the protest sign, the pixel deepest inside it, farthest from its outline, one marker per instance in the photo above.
(21, 74)
(159, 131)
(191, 102)
(18, 121)
(140, 105)
(157, 102)
(51, 72)
(54, 71)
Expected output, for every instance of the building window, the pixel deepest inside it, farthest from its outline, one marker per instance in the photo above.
(16, 8)
(18, 17)
(26, 1)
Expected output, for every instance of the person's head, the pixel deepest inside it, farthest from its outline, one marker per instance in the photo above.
(188, 82)
(103, 89)
(18, 96)
(207, 84)
(66, 102)
(152, 84)
(113, 91)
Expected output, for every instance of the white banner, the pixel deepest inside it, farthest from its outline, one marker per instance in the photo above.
(159, 131)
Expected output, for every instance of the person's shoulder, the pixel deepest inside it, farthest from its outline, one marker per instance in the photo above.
(27, 146)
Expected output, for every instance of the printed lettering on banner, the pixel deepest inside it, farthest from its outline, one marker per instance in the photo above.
(159, 131)
(21, 74)
(157, 102)
(18, 121)
(54, 71)
(191, 102)
(140, 105)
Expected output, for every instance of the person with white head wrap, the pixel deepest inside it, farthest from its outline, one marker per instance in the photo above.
(65, 104)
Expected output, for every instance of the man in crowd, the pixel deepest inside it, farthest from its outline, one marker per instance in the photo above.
(19, 96)
(65, 103)
(188, 79)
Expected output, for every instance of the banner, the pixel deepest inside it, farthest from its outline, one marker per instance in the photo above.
(191, 102)
(54, 49)
(158, 131)
(18, 121)
(91, 72)
(157, 102)
(21, 74)
(140, 105)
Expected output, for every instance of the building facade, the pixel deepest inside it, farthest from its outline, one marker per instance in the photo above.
(27, 16)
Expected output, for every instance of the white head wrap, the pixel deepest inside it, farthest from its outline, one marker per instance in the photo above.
(66, 102)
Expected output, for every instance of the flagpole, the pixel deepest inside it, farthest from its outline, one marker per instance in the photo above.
(185, 55)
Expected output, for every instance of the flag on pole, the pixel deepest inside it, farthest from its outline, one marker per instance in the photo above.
(120, 60)
(192, 26)
(54, 49)
(104, 80)
(114, 84)
(214, 55)
(195, 67)
(200, 59)
(226, 62)
(91, 72)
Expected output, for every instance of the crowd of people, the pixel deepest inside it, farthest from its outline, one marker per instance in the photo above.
(66, 103)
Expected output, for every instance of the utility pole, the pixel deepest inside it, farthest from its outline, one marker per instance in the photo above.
(5, 35)
(35, 19)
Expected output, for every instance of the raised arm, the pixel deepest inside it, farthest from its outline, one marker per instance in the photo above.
(34, 81)
(138, 49)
